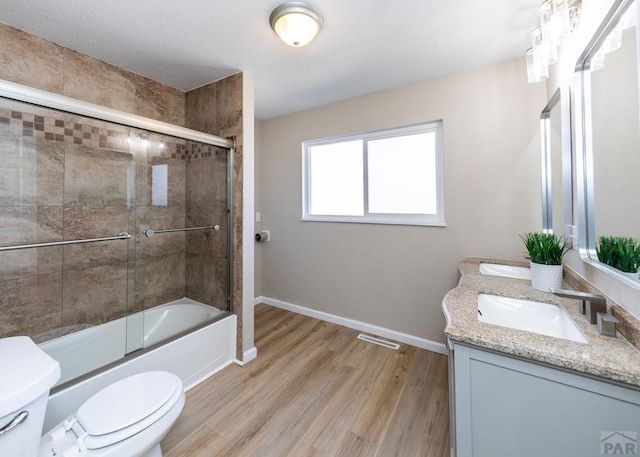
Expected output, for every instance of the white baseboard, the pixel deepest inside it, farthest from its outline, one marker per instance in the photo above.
(248, 356)
(411, 340)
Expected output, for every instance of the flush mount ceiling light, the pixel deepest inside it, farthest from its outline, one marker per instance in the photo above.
(297, 24)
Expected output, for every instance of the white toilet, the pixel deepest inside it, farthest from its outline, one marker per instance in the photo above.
(129, 418)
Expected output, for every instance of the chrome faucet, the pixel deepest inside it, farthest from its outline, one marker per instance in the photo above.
(591, 304)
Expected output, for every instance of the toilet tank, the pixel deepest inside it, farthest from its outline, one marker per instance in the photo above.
(27, 374)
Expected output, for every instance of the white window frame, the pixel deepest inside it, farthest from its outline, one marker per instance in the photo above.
(435, 219)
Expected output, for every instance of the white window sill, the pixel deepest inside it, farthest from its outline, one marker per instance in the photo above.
(370, 220)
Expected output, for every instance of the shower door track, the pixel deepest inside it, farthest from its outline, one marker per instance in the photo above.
(46, 99)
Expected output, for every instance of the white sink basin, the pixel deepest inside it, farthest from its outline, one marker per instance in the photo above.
(531, 316)
(508, 271)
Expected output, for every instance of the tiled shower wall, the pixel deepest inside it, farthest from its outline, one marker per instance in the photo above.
(215, 108)
(64, 177)
(35, 62)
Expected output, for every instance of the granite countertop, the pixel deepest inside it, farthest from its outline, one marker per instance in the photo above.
(615, 359)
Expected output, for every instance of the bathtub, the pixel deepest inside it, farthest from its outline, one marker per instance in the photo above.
(194, 356)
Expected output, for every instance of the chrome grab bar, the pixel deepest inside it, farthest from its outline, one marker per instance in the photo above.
(119, 236)
(150, 232)
(19, 419)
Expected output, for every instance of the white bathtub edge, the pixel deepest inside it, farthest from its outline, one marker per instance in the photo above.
(193, 383)
(411, 340)
(224, 360)
(217, 350)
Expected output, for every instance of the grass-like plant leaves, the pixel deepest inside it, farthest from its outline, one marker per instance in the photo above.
(545, 248)
(621, 252)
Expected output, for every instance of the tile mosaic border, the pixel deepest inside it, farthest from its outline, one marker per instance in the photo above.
(86, 133)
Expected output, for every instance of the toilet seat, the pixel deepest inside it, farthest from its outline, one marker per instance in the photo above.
(121, 410)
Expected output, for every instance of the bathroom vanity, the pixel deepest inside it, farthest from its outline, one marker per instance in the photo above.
(529, 384)
(516, 392)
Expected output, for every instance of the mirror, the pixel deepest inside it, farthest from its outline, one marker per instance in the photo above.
(555, 124)
(609, 134)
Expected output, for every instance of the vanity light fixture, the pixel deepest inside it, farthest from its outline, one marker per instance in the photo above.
(296, 23)
(558, 18)
(537, 69)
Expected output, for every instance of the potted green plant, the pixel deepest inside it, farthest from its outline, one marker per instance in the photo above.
(545, 250)
(620, 252)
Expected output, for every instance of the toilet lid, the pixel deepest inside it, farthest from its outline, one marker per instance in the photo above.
(127, 407)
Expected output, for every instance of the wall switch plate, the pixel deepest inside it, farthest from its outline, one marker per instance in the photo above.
(574, 234)
(258, 216)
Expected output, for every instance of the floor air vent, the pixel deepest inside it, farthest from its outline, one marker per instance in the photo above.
(378, 341)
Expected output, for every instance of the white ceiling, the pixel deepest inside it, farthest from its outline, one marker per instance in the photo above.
(365, 46)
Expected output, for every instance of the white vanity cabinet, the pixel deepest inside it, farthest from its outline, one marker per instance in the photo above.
(503, 406)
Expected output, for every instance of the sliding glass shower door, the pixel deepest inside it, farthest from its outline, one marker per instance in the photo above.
(101, 223)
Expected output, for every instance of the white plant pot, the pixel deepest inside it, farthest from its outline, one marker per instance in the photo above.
(546, 277)
(632, 276)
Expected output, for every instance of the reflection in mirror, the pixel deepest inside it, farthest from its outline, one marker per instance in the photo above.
(556, 164)
(610, 134)
(616, 143)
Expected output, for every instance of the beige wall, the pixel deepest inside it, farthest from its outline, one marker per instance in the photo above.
(396, 276)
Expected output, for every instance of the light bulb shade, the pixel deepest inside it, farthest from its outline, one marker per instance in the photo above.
(574, 17)
(547, 23)
(560, 18)
(537, 69)
(555, 20)
(548, 51)
(297, 24)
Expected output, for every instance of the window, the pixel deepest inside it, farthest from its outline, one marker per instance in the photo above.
(387, 177)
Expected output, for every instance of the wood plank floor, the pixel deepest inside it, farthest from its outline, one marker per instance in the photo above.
(316, 390)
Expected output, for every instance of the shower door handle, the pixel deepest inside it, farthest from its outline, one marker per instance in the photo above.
(150, 232)
(19, 419)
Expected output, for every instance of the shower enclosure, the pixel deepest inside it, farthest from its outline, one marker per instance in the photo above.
(101, 222)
